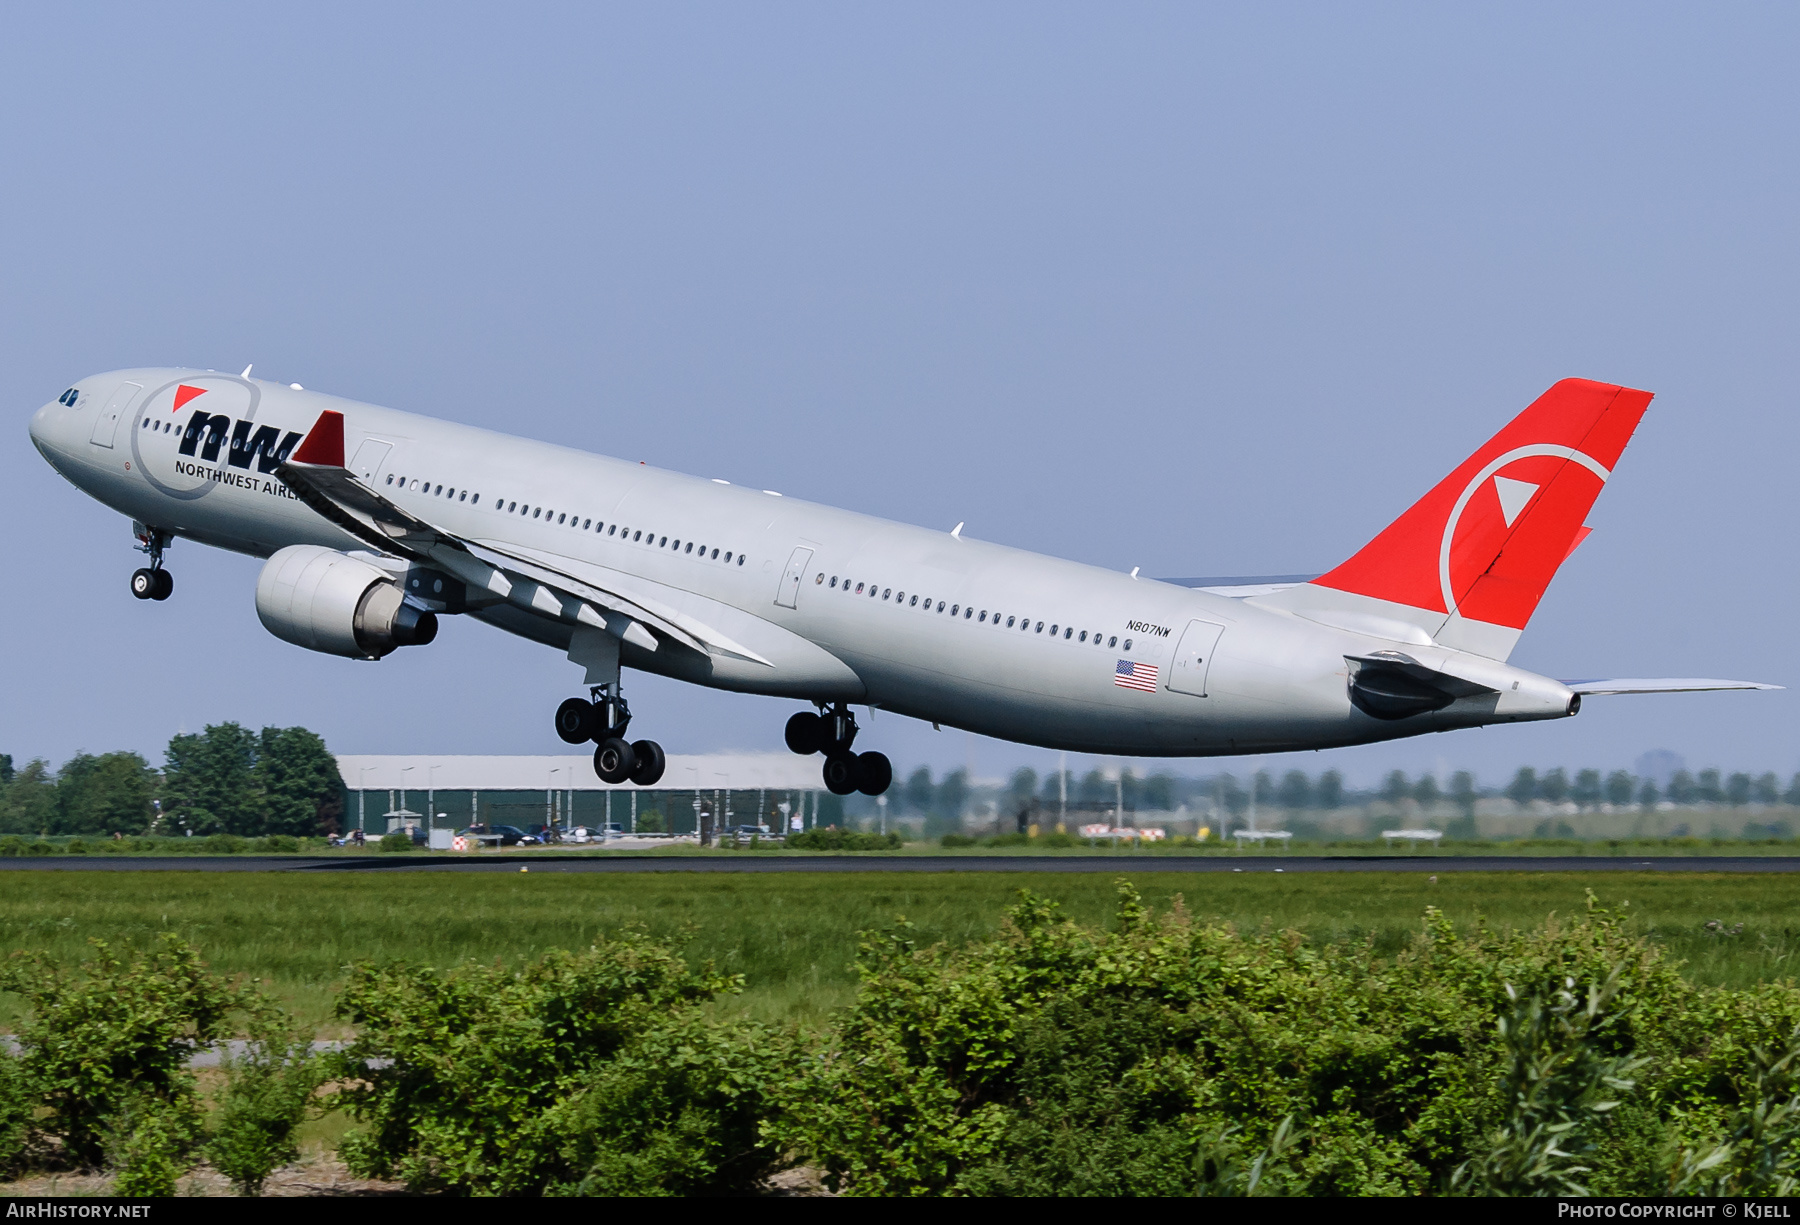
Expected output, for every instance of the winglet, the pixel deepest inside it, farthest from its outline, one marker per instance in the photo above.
(324, 444)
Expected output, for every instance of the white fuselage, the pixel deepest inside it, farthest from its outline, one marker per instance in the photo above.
(960, 632)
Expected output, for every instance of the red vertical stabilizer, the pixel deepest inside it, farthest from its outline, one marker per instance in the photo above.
(1485, 543)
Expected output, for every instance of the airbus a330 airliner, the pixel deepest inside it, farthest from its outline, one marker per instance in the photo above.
(374, 523)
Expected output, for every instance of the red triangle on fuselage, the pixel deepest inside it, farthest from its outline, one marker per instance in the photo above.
(184, 393)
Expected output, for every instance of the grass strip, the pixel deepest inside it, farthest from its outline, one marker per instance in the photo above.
(794, 936)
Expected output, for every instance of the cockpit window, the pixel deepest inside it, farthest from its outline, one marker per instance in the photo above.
(69, 397)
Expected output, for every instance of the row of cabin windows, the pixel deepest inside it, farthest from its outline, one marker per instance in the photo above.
(1025, 624)
(563, 518)
(148, 424)
(455, 495)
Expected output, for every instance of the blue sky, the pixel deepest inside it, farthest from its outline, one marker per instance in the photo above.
(1201, 290)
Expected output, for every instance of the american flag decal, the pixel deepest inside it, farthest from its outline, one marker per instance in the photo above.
(1130, 675)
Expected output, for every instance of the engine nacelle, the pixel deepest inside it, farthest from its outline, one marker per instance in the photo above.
(328, 601)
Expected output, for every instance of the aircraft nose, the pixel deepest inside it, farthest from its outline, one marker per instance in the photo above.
(41, 423)
(50, 430)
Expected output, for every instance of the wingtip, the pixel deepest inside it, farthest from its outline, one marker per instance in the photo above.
(324, 443)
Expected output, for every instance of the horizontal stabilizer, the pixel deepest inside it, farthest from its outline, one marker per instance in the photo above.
(1661, 684)
(1242, 586)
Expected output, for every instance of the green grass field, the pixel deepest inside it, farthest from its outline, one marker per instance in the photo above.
(794, 936)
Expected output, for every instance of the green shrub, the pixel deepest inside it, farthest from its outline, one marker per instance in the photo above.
(16, 1108)
(75, 846)
(277, 843)
(468, 1080)
(1556, 1087)
(268, 1092)
(956, 840)
(12, 846)
(40, 847)
(150, 1142)
(677, 1111)
(110, 1040)
(399, 840)
(833, 839)
(1157, 1058)
(222, 844)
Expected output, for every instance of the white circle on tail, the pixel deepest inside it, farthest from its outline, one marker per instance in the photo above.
(1509, 508)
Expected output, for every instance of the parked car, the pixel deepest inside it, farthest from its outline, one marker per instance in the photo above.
(743, 833)
(497, 835)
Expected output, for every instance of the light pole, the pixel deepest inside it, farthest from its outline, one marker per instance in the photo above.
(403, 770)
(430, 800)
(881, 803)
(362, 786)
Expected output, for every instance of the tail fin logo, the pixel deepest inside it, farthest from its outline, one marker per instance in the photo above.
(1485, 542)
(1489, 567)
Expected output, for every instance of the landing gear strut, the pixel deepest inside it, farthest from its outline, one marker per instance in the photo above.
(153, 582)
(603, 720)
(831, 732)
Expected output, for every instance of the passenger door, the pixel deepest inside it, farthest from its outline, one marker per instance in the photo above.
(1193, 657)
(107, 423)
(788, 595)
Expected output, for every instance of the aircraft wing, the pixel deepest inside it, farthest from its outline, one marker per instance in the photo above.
(1666, 684)
(316, 474)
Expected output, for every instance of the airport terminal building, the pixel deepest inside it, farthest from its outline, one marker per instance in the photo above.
(770, 789)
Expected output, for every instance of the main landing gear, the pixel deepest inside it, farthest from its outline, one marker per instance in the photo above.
(603, 720)
(153, 582)
(831, 732)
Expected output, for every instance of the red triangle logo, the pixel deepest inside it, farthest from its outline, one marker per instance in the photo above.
(184, 393)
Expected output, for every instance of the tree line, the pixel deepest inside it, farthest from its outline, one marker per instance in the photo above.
(224, 780)
(951, 797)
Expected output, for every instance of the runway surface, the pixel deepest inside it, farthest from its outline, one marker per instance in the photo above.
(909, 863)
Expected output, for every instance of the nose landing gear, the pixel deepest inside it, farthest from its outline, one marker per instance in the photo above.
(603, 720)
(152, 582)
(831, 732)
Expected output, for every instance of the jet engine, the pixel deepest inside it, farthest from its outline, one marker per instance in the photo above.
(328, 601)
